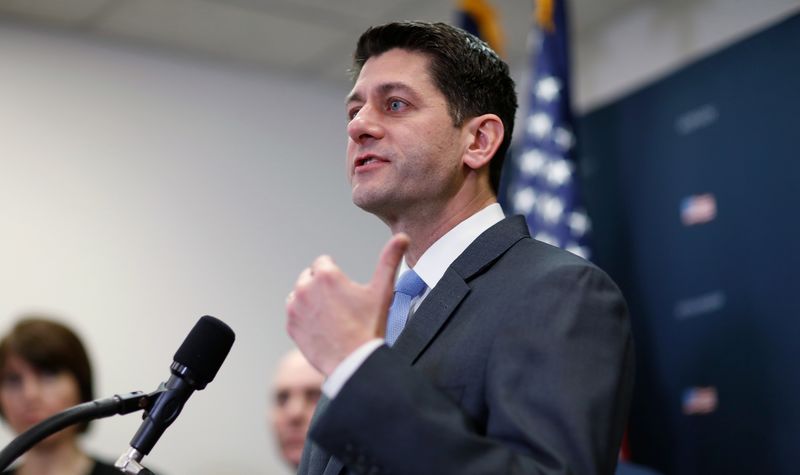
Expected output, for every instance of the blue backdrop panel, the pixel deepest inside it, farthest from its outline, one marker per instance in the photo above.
(693, 185)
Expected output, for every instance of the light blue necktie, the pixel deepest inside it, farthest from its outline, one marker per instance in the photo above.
(408, 286)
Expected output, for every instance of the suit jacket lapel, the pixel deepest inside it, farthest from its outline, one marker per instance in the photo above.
(334, 467)
(431, 315)
(440, 303)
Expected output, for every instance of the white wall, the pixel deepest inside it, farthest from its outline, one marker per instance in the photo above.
(140, 191)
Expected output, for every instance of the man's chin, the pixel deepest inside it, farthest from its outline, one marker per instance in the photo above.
(293, 455)
(371, 202)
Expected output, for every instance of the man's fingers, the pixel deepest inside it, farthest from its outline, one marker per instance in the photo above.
(304, 278)
(323, 263)
(389, 260)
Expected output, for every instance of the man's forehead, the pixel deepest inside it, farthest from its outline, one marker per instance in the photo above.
(396, 69)
(297, 386)
(385, 88)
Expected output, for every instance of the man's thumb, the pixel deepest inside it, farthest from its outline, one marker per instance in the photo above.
(389, 260)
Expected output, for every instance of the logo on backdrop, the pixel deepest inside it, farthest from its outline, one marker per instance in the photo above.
(698, 209)
(700, 305)
(696, 119)
(700, 400)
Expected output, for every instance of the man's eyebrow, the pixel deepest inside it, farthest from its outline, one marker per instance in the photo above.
(384, 89)
(353, 97)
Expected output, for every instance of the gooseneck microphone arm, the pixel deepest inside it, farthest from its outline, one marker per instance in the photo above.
(118, 404)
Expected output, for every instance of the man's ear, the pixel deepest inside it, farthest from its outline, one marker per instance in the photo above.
(485, 136)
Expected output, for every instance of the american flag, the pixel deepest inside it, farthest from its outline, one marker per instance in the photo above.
(480, 18)
(544, 185)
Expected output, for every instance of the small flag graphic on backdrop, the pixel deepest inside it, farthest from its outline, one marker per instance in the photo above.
(698, 209)
(700, 400)
(545, 185)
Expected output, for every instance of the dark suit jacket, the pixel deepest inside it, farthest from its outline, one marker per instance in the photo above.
(519, 361)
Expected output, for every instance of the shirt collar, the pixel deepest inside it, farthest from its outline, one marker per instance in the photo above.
(437, 258)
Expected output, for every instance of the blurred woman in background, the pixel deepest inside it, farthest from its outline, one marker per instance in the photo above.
(44, 369)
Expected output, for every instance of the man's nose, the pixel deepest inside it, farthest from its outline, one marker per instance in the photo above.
(365, 125)
(299, 408)
(294, 406)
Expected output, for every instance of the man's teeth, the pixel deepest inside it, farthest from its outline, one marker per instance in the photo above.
(367, 160)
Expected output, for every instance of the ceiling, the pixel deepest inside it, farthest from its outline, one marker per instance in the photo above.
(308, 37)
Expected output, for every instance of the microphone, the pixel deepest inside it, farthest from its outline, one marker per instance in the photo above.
(195, 364)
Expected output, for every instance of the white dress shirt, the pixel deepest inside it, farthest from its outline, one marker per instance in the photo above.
(430, 267)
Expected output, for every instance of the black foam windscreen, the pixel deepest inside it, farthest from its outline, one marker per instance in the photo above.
(205, 348)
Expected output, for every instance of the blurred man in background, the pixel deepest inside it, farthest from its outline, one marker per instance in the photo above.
(295, 391)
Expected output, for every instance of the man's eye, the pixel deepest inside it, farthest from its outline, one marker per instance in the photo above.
(281, 398)
(351, 114)
(313, 395)
(396, 105)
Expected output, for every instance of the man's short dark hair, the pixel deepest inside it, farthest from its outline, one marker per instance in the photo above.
(470, 75)
(50, 346)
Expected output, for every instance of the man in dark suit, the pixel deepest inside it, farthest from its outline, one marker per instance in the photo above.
(513, 356)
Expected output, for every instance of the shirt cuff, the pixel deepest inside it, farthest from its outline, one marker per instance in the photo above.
(348, 366)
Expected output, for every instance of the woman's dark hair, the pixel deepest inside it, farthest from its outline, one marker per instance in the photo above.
(470, 75)
(50, 346)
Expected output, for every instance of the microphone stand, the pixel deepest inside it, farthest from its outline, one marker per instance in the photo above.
(129, 463)
(97, 409)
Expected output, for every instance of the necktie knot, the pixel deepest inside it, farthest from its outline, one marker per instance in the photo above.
(408, 286)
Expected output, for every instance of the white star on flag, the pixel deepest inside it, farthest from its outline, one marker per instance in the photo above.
(524, 200)
(547, 238)
(540, 125)
(580, 251)
(579, 223)
(564, 138)
(532, 162)
(551, 208)
(559, 172)
(548, 88)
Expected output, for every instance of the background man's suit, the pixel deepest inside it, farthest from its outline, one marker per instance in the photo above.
(518, 361)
